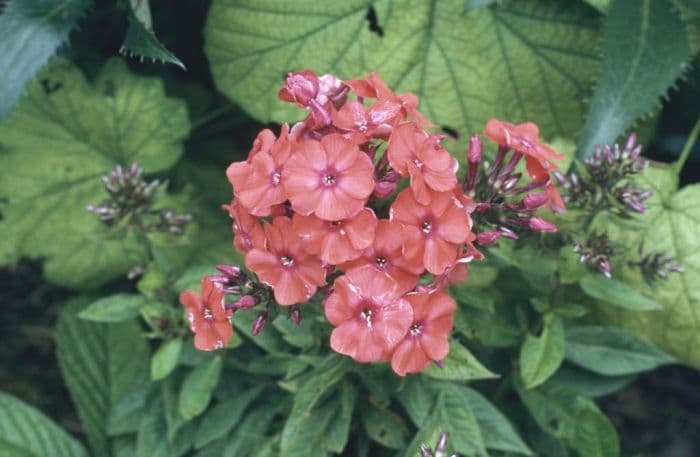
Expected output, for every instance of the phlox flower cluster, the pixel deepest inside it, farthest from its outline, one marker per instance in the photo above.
(361, 203)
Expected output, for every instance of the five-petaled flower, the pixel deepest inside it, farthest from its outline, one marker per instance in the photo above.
(208, 317)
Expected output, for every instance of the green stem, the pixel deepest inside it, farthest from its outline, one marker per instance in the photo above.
(678, 164)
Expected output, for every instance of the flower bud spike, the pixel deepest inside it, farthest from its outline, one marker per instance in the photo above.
(540, 225)
(295, 315)
(246, 302)
(535, 200)
(425, 451)
(384, 189)
(488, 238)
(231, 271)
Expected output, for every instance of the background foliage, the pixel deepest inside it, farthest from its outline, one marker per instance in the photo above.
(541, 348)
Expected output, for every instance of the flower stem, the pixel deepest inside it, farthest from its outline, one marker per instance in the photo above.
(678, 164)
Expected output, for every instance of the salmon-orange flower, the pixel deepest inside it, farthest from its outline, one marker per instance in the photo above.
(374, 87)
(368, 314)
(411, 151)
(427, 337)
(330, 178)
(284, 265)
(336, 242)
(262, 189)
(431, 234)
(209, 319)
(385, 255)
(523, 138)
(247, 231)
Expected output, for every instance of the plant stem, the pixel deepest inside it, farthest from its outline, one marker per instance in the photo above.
(205, 119)
(678, 164)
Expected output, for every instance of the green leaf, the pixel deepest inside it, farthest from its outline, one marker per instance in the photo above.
(666, 227)
(336, 437)
(612, 352)
(306, 424)
(645, 51)
(62, 137)
(497, 329)
(384, 426)
(250, 433)
(165, 359)
(540, 356)
(102, 365)
(617, 293)
(497, 431)
(140, 39)
(589, 384)
(115, 308)
(453, 414)
(197, 388)
(26, 432)
(459, 365)
(30, 32)
(595, 435)
(417, 398)
(572, 419)
(523, 60)
(223, 417)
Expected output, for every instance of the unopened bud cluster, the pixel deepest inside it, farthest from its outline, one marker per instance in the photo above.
(604, 182)
(658, 266)
(130, 195)
(505, 201)
(596, 252)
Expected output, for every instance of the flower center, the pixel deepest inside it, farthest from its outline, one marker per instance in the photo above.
(416, 329)
(426, 227)
(286, 261)
(276, 176)
(329, 179)
(208, 315)
(380, 261)
(366, 314)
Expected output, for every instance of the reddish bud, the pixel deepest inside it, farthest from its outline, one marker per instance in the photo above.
(246, 302)
(384, 189)
(487, 238)
(540, 225)
(259, 323)
(604, 266)
(300, 88)
(441, 446)
(535, 200)
(474, 150)
(231, 271)
(295, 316)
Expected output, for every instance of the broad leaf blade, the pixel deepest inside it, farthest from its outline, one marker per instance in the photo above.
(466, 66)
(198, 387)
(140, 38)
(115, 308)
(459, 365)
(64, 134)
(540, 356)
(30, 32)
(645, 51)
(102, 364)
(618, 293)
(26, 432)
(612, 352)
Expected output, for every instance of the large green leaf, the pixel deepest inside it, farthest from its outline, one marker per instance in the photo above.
(497, 431)
(308, 421)
(30, 32)
(540, 356)
(198, 387)
(102, 365)
(221, 419)
(645, 51)
(26, 432)
(451, 413)
(668, 226)
(612, 352)
(140, 38)
(573, 419)
(64, 134)
(617, 293)
(524, 60)
(459, 365)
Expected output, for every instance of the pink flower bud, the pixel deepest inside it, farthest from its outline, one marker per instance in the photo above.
(246, 302)
(441, 446)
(535, 200)
(295, 316)
(384, 189)
(540, 225)
(259, 323)
(231, 271)
(487, 238)
(482, 207)
(474, 150)
(299, 87)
